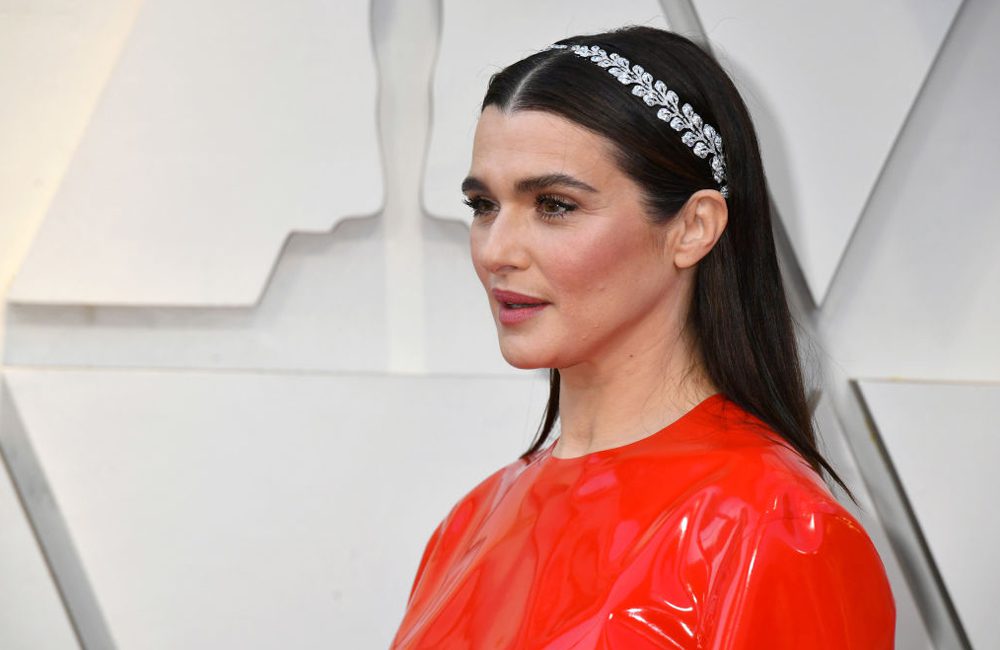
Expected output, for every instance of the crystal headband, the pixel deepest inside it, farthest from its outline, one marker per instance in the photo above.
(702, 138)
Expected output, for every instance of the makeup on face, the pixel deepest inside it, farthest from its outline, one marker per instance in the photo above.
(560, 242)
(517, 307)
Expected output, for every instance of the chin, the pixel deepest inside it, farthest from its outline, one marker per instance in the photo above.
(524, 363)
(525, 359)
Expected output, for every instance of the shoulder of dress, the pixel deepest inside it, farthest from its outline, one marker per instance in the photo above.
(785, 504)
(770, 479)
(810, 554)
(501, 477)
(483, 494)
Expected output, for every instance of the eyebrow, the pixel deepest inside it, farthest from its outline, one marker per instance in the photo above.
(533, 183)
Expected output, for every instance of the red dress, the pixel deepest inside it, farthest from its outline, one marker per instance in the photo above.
(706, 534)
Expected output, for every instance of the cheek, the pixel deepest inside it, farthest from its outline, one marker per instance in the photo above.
(593, 268)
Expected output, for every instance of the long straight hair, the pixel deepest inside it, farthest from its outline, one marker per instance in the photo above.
(739, 316)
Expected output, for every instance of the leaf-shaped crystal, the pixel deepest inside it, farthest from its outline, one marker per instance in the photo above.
(700, 149)
(677, 124)
(688, 138)
(687, 110)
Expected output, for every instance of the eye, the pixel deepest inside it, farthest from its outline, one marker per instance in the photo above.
(552, 207)
(479, 205)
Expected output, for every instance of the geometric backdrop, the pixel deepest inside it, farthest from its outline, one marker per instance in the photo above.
(247, 366)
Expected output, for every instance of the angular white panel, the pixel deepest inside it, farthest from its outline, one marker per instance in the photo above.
(224, 127)
(324, 310)
(31, 614)
(268, 511)
(55, 58)
(917, 292)
(829, 85)
(943, 440)
(479, 39)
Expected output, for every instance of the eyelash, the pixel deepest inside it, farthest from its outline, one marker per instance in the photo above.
(476, 201)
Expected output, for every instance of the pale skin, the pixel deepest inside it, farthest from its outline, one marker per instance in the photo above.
(618, 286)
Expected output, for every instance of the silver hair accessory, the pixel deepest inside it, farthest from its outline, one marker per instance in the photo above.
(702, 138)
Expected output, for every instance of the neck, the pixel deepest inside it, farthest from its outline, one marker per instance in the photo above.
(632, 392)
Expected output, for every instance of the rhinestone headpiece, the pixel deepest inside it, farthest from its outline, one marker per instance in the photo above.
(702, 138)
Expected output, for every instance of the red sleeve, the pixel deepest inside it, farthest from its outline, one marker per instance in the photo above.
(428, 550)
(808, 581)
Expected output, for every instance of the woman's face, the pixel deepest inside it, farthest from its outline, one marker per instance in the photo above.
(556, 221)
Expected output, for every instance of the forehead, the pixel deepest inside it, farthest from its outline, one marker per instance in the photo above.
(538, 142)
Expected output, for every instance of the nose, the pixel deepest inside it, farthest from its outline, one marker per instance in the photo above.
(500, 245)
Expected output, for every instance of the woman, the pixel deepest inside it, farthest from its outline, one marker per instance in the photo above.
(682, 505)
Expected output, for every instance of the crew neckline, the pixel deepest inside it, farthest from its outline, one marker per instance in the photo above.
(611, 451)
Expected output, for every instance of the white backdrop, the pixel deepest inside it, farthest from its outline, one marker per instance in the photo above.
(247, 367)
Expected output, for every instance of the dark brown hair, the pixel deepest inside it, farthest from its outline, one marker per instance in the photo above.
(739, 315)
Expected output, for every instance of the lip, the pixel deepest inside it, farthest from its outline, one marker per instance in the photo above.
(511, 315)
(513, 296)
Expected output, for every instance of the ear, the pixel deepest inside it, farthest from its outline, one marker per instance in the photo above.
(699, 225)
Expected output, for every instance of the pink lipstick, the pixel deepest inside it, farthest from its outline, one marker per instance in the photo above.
(517, 307)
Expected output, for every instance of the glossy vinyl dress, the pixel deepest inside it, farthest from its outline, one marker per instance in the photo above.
(706, 534)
